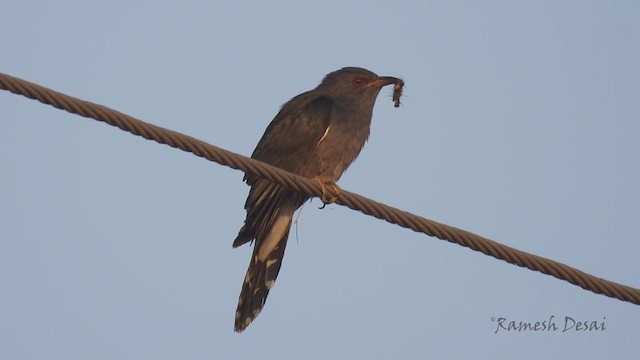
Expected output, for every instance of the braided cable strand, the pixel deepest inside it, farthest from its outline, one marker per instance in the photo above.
(351, 200)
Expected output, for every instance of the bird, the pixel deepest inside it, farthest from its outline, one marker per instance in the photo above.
(316, 134)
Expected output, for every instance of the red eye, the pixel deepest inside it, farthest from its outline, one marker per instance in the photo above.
(357, 81)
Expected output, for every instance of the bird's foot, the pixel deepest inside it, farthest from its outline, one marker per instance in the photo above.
(328, 196)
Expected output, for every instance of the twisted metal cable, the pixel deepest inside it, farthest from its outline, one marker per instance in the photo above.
(351, 200)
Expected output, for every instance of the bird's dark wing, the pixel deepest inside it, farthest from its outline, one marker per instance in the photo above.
(294, 133)
(288, 143)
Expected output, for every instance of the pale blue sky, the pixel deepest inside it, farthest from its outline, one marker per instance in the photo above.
(521, 122)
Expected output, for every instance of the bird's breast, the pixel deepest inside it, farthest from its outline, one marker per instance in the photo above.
(338, 147)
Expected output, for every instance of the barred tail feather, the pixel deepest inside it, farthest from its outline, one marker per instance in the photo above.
(263, 271)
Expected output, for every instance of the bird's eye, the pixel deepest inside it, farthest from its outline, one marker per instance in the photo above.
(357, 81)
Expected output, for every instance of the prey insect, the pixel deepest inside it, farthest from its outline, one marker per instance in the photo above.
(397, 92)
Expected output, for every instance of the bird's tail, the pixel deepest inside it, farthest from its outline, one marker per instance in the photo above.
(263, 270)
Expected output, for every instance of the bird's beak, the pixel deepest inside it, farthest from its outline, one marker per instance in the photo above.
(384, 81)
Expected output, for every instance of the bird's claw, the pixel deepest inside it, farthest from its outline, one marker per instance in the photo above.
(328, 197)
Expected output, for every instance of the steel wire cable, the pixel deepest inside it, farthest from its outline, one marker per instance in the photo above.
(346, 198)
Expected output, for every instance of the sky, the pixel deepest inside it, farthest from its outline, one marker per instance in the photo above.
(519, 122)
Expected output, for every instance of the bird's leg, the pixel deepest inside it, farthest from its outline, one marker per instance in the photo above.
(328, 197)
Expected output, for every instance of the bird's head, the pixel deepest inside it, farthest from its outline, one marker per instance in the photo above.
(356, 84)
